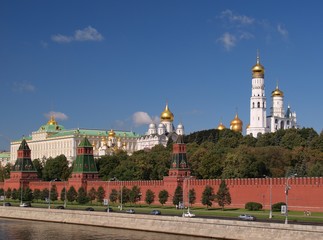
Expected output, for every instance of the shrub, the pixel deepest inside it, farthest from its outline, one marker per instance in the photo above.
(253, 206)
(277, 206)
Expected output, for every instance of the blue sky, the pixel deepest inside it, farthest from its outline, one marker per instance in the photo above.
(96, 64)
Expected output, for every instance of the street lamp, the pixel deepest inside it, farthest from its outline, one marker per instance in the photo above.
(65, 194)
(270, 196)
(50, 186)
(188, 192)
(111, 179)
(21, 189)
(287, 188)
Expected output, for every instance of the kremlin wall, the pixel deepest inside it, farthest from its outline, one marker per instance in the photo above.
(305, 194)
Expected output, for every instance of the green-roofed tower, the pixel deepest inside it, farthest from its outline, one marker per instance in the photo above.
(23, 162)
(23, 171)
(84, 166)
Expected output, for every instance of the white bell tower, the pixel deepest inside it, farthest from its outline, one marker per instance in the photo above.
(257, 101)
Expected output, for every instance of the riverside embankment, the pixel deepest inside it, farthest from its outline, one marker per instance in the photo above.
(212, 228)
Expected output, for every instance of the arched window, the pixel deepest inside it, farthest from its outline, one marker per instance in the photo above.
(258, 104)
(282, 125)
(253, 105)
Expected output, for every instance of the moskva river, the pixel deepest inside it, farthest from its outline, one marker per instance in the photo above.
(11, 229)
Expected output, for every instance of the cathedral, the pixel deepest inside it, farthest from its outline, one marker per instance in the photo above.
(52, 139)
(260, 122)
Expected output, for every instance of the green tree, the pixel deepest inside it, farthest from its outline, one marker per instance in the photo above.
(208, 196)
(92, 194)
(8, 193)
(113, 196)
(178, 195)
(100, 194)
(44, 194)
(223, 196)
(56, 168)
(15, 194)
(62, 195)
(71, 194)
(124, 195)
(27, 194)
(53, 193)
(150, 197)
(38, 164)
(192, 196)
(134, 195)
(1, 191)
(37, 194)
(82, 197)
(163, 196)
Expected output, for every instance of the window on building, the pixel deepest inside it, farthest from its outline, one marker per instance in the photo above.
(258, 104)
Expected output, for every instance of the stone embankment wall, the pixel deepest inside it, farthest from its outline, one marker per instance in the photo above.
(213, 228)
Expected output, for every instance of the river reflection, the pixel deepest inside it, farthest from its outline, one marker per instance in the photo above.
(11, 229)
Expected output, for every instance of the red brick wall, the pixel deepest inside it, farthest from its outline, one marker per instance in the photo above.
(305, 193)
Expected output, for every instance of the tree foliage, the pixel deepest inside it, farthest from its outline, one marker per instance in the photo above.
(150, 197)
(223, 196)
(178, 195)
(208, 196)
(163, 196)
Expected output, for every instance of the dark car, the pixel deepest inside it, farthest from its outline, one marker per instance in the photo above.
(131, 211)
(7, 204)
(155, 212)
(89, 209)
(109, 209)
(60, 207)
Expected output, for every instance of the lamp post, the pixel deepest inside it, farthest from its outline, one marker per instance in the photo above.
(21, 189)
(111, 179)
(287, 188)
(270, 196)
(65, 194)
(50, 186)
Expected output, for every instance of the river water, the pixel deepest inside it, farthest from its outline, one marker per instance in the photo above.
(12, 229)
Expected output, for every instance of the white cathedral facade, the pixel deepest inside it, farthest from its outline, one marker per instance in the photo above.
(260, 122)
(52, 139)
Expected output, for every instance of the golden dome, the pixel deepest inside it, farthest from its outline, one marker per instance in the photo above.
(277, 93)
(112, 133)
(236, 124)
(248, 126)
(221, 126)
(167, 115)
(258, 70)
(52, 121)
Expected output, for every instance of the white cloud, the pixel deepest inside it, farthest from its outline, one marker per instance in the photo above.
(235, 18)
(227, 40)
(57, 115)
(61, 38)
(87, 34)
(282, 31)
(23, 87)
(140, 118)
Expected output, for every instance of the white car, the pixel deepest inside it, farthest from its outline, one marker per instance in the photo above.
(188, 214)
(26, 204)
(247, 217)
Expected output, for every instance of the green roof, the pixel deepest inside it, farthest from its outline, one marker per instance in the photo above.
(5, 155)
(24, 145)
(85, 143)
(86, 132)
